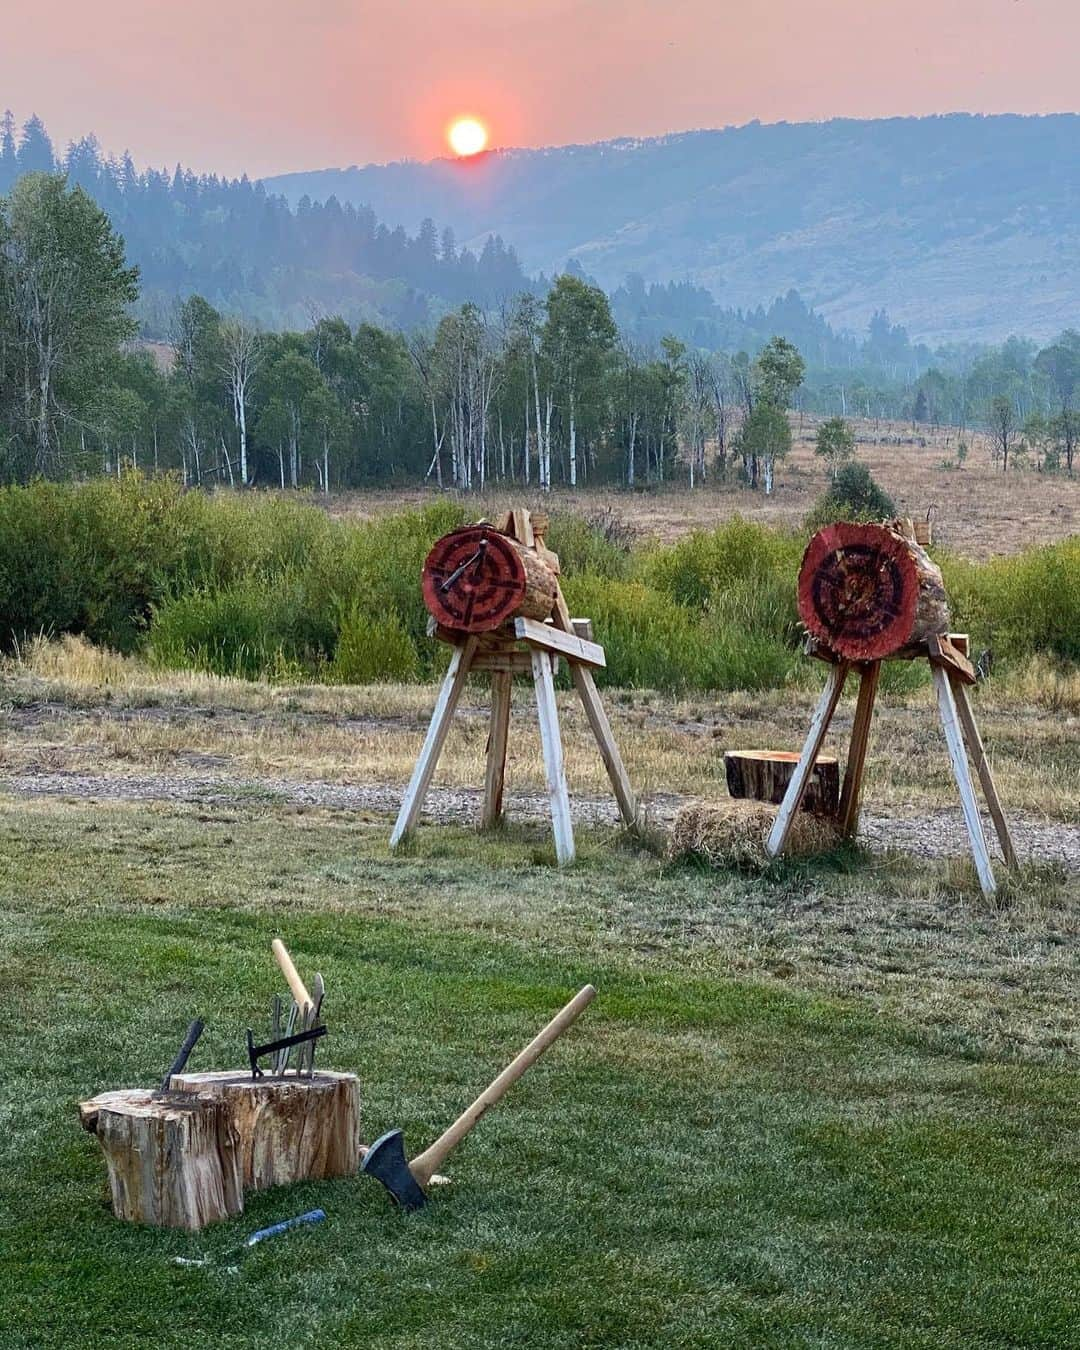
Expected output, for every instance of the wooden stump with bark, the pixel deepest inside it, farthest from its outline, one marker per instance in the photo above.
(290, 1128)
(173, 1159)
(476, 578)
(867, 591)
(763, 776)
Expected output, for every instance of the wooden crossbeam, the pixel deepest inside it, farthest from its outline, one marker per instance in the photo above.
(553, 639)
(943, 653)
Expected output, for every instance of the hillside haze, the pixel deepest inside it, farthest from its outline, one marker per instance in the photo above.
(963, 227)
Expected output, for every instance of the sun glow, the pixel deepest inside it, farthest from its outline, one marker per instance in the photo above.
(467, 136)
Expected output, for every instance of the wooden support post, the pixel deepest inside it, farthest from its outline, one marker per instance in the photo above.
(606, 744)
(498, 734)
(962, 773)
(551, 742)
(982, 767)
(598, 719)
(819, 725)
(449, 695)
(856, 761)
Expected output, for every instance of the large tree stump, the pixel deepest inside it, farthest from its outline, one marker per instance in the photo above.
(866, 591)
(290, 1128)
(476, 578)
(763, 776)
(173, 1159)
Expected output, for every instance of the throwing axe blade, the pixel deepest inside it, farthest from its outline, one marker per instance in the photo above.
(407, 1181)
(385, 1160)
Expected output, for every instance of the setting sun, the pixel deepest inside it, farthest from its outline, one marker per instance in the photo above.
(467, 136)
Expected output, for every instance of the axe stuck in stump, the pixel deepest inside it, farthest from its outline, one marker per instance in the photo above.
(407, 1181)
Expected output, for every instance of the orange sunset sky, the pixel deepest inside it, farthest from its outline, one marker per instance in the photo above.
(270, 85)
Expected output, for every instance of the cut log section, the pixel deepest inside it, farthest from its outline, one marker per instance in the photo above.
(476, 578)
(289, 1129)
(866, 591)
(173, 1159)
(764, 775)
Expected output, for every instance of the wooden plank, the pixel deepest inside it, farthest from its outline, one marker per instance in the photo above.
(449, 694)
(961, 642)
(523, 530)
(982, 766)
(819, 725)
(962, 774)
(943, 653)
(553, 639)
(551, 743)
(851, 792)
(498, 732)
(503, 663)
(583, 628)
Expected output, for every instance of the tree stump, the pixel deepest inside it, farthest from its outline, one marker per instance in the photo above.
(173, 1159)
(289, 1128)
(763, 776)
(866, 591)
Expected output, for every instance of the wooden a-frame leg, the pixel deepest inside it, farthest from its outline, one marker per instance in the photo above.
(598, 721)
(851, 791)
(452, 686)
(551, 743)
(819, 725)
(605, 740)
(982, 767)
(498, 734)
(962, 774)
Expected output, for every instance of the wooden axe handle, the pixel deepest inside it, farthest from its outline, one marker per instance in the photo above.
(428, 1162)
(292, 978)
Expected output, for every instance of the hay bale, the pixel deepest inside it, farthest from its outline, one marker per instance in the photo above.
(732, 833)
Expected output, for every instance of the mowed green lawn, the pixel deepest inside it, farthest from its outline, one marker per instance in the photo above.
(709, 1158)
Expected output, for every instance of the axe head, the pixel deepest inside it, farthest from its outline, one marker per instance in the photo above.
(385, 1160)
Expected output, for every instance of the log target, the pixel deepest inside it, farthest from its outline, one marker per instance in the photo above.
(473, 579)
(865, 591)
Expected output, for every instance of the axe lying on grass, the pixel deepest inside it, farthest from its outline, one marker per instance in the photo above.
(407, 1181)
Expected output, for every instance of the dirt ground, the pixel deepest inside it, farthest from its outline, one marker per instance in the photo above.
(978, 511)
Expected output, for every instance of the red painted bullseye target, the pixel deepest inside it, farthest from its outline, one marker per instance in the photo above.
(859, 590)
(473, 579)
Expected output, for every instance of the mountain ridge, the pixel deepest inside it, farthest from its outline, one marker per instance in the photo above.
(964, 226)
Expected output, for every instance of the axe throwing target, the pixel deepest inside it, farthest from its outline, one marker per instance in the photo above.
(473, 580)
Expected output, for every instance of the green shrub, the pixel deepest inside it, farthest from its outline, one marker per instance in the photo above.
(703, 564)
(373, 651)
(1022, 604)
(852, 495)
(256, 629)
(599, 544)
(89, 559)
(264, 586)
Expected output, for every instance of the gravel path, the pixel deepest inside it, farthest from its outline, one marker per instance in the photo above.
(938, 834)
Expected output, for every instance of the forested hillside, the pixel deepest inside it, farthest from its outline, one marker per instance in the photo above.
(248, 251)
(963, 228)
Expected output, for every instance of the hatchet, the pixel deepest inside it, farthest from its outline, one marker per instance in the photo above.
(407, 1181)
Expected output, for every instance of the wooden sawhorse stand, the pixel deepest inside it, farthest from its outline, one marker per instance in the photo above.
(952, 674)
(521, 646)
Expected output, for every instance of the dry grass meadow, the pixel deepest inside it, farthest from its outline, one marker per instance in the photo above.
(979, 511)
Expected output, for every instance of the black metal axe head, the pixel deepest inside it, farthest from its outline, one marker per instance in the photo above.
(386, 1162)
